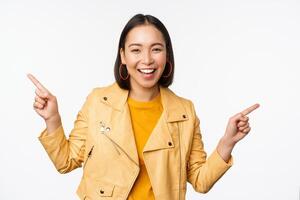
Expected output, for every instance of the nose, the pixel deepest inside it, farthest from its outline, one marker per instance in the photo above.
(147, 58)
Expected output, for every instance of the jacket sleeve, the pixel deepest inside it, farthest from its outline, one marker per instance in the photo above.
(67, 154)
(203, 173)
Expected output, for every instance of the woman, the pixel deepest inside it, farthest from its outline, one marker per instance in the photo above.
(135, 138)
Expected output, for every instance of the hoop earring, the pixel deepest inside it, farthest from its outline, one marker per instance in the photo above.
(120, 72)
(170, 71)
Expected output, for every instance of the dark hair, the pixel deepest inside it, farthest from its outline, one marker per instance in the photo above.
(140, 19)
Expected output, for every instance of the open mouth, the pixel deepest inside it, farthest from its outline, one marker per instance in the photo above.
(147, 71)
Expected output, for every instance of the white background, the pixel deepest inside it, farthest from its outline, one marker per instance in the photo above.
(229, 55)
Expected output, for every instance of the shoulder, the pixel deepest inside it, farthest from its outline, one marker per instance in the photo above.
(186, 103)
(100, 91)
(189, 106)
(111, 95)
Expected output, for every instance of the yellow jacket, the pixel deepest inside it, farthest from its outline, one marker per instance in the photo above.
(102, 140)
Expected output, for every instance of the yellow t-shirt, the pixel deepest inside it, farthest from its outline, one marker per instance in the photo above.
(144, 116)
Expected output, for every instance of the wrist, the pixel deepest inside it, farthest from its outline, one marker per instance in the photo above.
(225, 148)
(53, 121)
(227, 142)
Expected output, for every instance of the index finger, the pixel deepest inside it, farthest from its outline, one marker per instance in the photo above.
(36, 82)
(250, 109)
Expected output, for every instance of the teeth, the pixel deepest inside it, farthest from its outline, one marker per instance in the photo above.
(147, 71)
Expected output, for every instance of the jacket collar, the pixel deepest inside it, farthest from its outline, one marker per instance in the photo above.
(116, 97)
(160, 138)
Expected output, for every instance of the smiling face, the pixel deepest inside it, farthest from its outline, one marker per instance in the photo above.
(144, 56)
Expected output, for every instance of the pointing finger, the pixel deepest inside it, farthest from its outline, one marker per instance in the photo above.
(250, 109)
(40, 94)
(37, 83)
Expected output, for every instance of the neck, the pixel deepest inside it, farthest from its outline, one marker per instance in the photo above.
(144, 94)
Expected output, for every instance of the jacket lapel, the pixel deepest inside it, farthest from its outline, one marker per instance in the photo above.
(174, 111)
(123, 135)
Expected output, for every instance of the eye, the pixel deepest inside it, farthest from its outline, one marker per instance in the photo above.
(135, 50)
(157, 49)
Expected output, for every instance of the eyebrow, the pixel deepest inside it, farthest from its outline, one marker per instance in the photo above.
(138, 44)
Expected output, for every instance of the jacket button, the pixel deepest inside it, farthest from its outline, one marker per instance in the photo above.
(101, 191)
(170, 143)
(105, 98)
(107, 129)
(184, 116)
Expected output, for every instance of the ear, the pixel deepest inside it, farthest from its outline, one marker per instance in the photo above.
(122, 54)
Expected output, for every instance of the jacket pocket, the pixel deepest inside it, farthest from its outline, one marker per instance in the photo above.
(91, 190)
(88, 156)
(95, 190)
(105, 190)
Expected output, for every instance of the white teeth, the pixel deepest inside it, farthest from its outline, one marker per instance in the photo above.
(147, 71)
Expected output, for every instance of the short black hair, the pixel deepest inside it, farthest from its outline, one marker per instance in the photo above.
(136, 20)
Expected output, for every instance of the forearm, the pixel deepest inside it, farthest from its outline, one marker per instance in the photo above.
(53, 123)
(225, 148)
(58, 148)
(204, 175)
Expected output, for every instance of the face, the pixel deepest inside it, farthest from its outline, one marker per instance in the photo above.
(144, 55)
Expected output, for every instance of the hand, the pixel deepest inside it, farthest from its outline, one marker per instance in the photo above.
(45, 104)
(238, 126)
